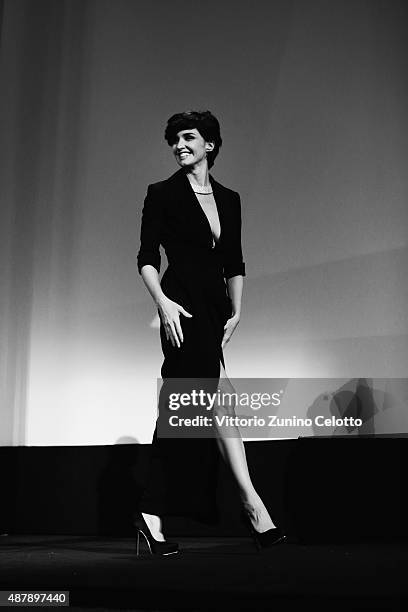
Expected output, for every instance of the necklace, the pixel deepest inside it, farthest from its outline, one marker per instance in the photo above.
(202, 190)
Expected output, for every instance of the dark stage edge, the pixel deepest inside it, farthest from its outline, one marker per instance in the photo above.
(208, 574)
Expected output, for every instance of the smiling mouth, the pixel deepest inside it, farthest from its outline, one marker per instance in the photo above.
(183, 154)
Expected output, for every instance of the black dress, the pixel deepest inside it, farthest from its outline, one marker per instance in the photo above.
(183, 472)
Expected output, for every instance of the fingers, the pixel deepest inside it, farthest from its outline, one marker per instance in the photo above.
(169, 334)
(228, 331)
(184, 312)
(173, 332)
(226, 338)
(179, 331)
(170, 319)
(167, 326)
(226, 326)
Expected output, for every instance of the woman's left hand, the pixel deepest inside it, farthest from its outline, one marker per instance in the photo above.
(229, 329)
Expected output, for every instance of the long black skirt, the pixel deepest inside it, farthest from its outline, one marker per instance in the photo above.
(183, 471)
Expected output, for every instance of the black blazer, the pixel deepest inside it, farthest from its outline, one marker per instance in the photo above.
(172, 216)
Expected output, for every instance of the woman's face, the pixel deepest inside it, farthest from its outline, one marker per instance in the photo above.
(190, 148)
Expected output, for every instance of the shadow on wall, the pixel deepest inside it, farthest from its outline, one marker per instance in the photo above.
(379, 405)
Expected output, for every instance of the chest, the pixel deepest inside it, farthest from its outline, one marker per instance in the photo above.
(209, 207)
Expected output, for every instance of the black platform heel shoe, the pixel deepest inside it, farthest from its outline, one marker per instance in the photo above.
(266, 539)
(155, 547)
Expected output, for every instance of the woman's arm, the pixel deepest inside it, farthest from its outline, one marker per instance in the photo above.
(232, 255)
(235, 286)
(150, 231)
(169, 311)
(151, 280)
(234, 272)
(148, 263)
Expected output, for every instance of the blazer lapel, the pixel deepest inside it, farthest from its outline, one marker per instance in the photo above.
(219, 198)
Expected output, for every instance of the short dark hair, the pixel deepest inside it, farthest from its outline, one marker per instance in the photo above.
(204, 122)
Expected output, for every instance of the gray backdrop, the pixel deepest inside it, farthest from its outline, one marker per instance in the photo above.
(312, 98)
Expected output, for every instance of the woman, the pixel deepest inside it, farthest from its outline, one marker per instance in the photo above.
(198, 222)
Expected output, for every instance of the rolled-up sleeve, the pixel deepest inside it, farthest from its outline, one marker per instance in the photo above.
(233, 260)
(152, 214)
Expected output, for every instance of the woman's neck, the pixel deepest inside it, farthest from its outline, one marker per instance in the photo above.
(199, 176)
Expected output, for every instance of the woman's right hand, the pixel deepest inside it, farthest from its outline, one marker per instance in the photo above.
(169, 312)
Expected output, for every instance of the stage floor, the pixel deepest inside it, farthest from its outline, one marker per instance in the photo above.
(208, 574)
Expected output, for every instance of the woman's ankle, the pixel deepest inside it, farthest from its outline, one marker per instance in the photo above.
(257, 512)
(249, 497)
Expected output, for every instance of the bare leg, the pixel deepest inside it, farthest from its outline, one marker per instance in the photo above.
(233, 451)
